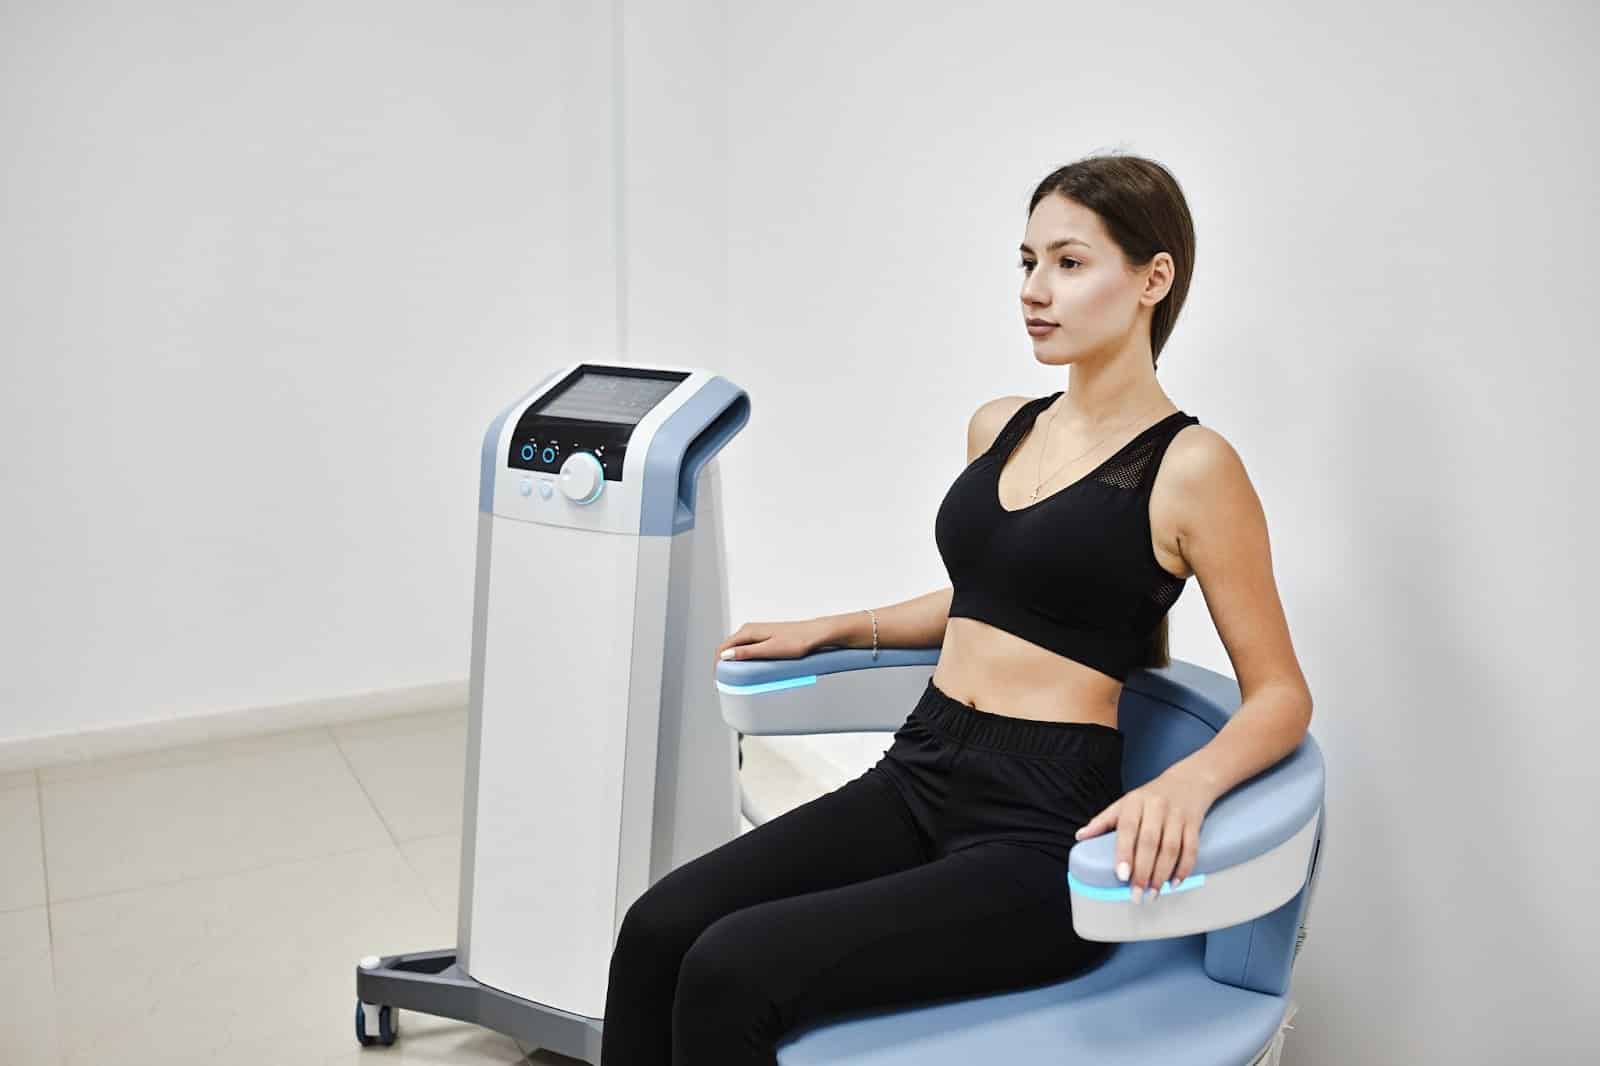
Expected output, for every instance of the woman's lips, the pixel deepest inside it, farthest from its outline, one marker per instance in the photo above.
(1039, 331)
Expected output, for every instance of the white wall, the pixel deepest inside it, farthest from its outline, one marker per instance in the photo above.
(329, 243)
(266, 273)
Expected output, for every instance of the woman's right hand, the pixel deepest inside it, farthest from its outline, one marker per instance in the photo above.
(774, 640)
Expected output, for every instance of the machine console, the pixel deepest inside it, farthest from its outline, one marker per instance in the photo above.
(594, 409)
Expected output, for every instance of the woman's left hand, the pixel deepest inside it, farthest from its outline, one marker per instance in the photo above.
(1158, 830)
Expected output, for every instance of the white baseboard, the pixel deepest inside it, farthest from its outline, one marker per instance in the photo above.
(30, 753)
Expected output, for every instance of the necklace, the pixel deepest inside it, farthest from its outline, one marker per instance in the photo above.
(1075, 458)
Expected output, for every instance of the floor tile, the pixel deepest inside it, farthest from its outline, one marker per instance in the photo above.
(18, 779)
(413, 770)
(160, 824)
(437, 861)
(21, 857)
(29, 1033)
(252, 968)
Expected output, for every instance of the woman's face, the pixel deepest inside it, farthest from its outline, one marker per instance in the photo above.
(1084, 287)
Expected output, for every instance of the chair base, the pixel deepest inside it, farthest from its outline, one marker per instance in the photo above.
(1148, 1001)
(1103, 1015)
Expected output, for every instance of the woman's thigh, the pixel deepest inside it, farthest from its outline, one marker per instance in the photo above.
(990, 917)
(857, 832)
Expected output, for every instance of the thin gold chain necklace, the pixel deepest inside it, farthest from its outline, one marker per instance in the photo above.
(1075, 458)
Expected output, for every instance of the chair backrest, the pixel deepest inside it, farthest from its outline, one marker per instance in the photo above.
(1167, 714)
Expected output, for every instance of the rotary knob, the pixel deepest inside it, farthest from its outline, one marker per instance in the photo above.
(582, 478)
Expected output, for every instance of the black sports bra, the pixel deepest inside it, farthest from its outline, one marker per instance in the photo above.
(1072, 572)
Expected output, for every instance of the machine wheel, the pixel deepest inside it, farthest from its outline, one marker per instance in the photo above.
(388, 1025)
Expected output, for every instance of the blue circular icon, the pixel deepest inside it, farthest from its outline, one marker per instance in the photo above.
(527, 452)
(549, 455)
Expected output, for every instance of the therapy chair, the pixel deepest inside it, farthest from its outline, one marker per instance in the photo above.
(1200, 977)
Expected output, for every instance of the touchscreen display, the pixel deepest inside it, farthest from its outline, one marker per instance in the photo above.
(617, 398)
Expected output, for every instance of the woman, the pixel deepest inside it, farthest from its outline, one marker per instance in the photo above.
(940, 872)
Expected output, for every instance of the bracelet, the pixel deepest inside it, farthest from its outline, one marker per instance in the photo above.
(870, 611)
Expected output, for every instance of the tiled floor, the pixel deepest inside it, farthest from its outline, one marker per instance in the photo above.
(209, 904)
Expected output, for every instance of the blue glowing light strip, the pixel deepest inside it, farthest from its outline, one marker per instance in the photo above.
(1125, 895)
(766, 686)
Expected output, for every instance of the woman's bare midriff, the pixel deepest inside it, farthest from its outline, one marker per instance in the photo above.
(992, 670)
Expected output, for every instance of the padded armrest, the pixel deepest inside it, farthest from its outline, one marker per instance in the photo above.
(1254, 855)
(839, 690)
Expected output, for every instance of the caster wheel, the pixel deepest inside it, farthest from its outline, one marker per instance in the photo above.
(388, 1025)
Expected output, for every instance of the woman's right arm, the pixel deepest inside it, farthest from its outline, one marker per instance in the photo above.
(915, 623)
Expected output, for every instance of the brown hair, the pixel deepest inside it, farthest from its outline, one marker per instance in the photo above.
(1143, 209)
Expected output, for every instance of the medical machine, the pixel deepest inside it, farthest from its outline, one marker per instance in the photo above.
(597, 756)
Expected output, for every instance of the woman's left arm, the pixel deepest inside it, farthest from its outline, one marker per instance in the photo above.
(1222, 533)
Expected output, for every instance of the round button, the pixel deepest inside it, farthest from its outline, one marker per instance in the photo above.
(582, 478)
(526, 486)
(528, 453)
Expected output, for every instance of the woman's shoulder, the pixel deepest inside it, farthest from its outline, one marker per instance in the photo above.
(1199, 459)
(988, 420)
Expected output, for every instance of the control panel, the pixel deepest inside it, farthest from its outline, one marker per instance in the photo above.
(580, 428)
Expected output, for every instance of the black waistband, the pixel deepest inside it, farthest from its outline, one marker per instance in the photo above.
(967, 725)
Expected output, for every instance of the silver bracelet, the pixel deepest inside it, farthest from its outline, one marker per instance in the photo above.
(870, 611)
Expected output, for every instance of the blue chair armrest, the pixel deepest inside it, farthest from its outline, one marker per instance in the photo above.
(1254, 855)
(839, 690)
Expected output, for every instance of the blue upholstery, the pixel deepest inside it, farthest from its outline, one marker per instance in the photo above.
(1215, 996)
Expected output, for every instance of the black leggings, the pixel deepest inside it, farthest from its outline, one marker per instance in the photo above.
(940, 872)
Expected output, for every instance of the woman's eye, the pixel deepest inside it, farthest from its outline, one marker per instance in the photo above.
(1025, 265)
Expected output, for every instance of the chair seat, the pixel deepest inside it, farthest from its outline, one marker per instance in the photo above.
(1148, 1002)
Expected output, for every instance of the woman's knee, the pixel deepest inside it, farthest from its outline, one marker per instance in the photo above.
(660, 920)
(725, 963)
